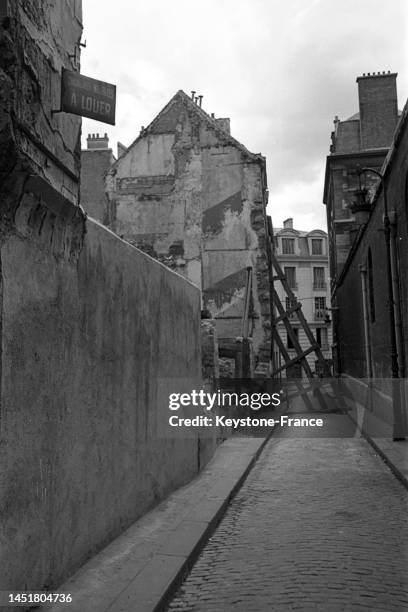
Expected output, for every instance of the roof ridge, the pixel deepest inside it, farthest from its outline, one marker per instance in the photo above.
(212, 121)
(203, 115)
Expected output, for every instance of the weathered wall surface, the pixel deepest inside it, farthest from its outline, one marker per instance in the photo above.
(36, 40)
(89, 328)
(350, 319)
(194, 198)
(94, 165)
(86, 338)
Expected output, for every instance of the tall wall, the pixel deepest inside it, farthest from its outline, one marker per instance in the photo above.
(91, 329)
(193, 197)
(87, 336)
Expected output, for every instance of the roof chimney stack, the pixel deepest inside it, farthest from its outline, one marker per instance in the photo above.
(377, 94)
(288, 223)
(94, 141)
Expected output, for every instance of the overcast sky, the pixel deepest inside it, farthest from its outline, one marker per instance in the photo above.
(281, 70)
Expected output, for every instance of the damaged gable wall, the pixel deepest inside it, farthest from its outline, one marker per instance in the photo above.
(194, 198)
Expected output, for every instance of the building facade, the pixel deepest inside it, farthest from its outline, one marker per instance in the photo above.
(362, 140)
(96, 160)
(190, 195)
(370, 322)
(303, 257)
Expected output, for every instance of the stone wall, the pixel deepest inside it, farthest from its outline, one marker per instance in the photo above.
(87, 336)
(93, 333)
(36, 41)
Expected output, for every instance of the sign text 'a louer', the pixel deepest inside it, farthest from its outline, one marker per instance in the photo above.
(88, 97)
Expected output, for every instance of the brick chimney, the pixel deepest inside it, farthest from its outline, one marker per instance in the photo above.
(377, 94)
(288, 223)
(94, 141)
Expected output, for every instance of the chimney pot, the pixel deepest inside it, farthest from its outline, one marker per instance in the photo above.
(192, 94)
(95, 141)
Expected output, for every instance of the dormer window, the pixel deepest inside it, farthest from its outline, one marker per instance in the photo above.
(288, 246)
(317, 246)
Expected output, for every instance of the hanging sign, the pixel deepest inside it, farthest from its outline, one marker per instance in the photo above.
(88, 97)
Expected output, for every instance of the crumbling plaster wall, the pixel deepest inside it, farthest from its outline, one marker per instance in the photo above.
(146, 206)
(36, 39)
(190, 197)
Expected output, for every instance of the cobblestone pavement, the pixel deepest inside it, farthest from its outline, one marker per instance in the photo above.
(320, 524)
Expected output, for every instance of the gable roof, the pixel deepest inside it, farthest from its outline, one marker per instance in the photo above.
(211, 122)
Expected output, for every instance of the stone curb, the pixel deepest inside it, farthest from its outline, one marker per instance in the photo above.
(209, 530)
(141, 569)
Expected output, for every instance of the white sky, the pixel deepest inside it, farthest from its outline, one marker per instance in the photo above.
(280, 69)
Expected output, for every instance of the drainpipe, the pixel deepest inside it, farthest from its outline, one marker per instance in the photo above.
(396, 292)
(367, 346)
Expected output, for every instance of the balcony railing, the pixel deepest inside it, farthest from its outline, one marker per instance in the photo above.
(320, 314)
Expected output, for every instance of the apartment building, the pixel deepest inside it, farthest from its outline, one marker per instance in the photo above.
(303, 257)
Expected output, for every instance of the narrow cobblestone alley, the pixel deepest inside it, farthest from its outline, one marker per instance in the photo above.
(320, 524)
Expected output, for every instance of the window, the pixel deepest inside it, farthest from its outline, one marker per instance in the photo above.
(289, 342)
(371, 286)
(317, 246)
(288, 246)
(320, 307)
(290, 273)
(321, 337)
(290, 304)
(319, 281)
